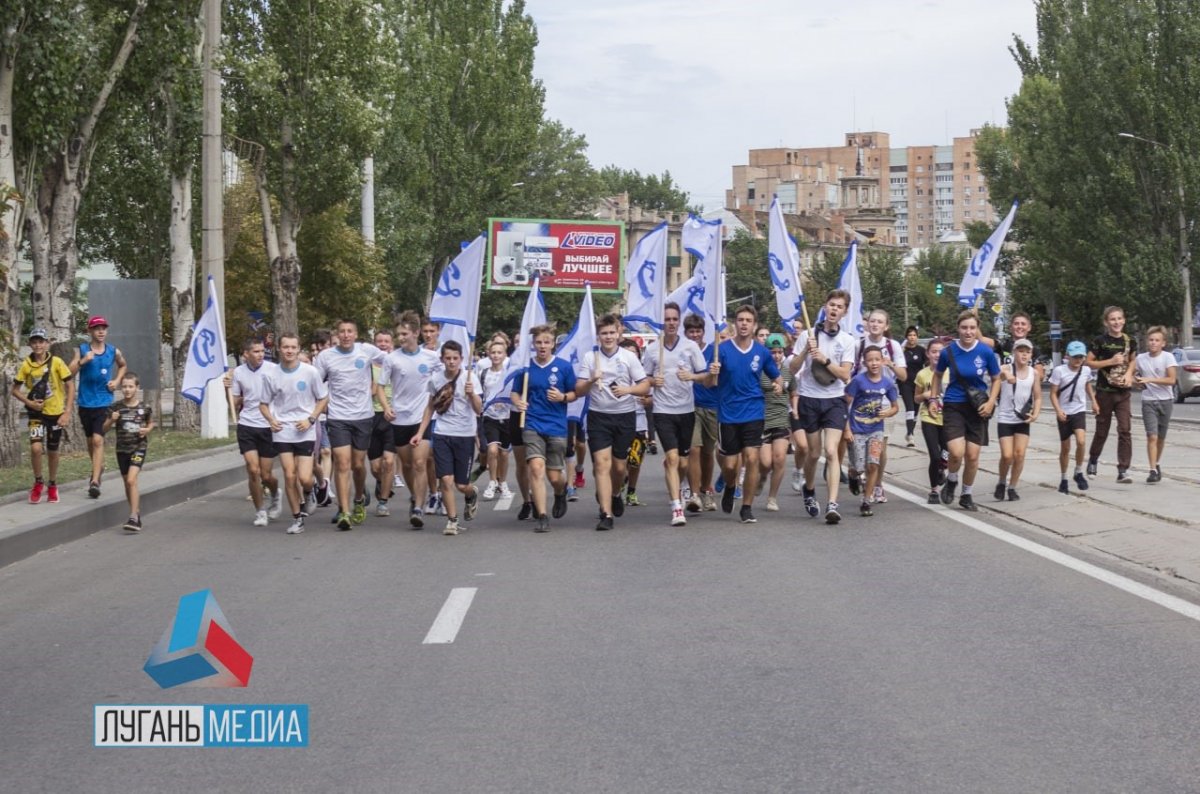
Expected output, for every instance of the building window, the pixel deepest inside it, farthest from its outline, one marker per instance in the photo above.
(966, 177)
(920, 169)
(750, 193)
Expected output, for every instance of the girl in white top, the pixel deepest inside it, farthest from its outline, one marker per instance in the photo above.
(495, 419)
(1019, 404)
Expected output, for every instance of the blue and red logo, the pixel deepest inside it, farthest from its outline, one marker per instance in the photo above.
(199, 648)
(589, 240)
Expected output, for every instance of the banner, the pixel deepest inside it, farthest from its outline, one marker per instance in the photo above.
(535, 315)
(564, 255)
(979, 273)
(581, 340)
(455, 301)
(783, 261)
(647, 270)
(206, 351)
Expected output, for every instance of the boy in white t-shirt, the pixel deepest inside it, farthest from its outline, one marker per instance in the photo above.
(1155, 375)
(1071, 392)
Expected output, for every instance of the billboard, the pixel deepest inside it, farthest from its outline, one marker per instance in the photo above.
(567, 255)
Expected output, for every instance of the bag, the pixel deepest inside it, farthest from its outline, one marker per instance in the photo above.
(818, 369)
(443, 398)
(1026, 410)
(41, 389)
(976, 396)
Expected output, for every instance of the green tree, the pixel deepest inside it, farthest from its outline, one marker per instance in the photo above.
(648, 191)
(747, 276)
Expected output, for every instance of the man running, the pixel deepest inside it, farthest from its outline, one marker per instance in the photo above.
(101, 368)
(408, 368)
(702, 455)
(246, 384)
(347, 369)
(381, 452)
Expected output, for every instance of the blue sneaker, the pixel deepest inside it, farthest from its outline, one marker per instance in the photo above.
(720, 486)
(737, 492)
(572, 494)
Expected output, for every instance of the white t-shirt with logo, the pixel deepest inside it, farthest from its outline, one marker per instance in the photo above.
(493, 388)
(622, 368)
(349, 375)
(675, 396)
(1156, 367)
(409, 374)
(292, 396)
(248, 384)
(838, 347)
(1062, 377)
(460, 418)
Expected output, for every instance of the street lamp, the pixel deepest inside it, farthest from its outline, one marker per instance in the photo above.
(1185, 251)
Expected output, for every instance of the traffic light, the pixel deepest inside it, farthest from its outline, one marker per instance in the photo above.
(938, 288)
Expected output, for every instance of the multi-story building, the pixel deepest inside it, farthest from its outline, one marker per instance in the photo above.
(929, 191)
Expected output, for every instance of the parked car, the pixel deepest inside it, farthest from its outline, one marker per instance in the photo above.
(1187, 376)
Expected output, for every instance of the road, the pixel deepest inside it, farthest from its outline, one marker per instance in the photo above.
(907, 652)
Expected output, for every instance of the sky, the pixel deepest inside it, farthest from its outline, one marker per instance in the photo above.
(690, 86)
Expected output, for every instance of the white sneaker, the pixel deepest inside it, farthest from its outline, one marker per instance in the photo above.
(878, 496)
(504, 490)
(441, 506)
(772, 504)
(451, 527)
(685, 493)
(310, 503)
(297, 527)
(677, 517)
(260, 518)
(398, 481)
(276, 508)
(382, 509)
(797, 480)
(489, 493)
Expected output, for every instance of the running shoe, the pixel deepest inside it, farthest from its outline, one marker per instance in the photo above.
(504, 492)
(358, 513)
(631, 499)
(998, 494)
(812, 506)
(605, 524)
(526, 511)
(470, 504)
(343, 522)
(1123, 477)
(1013, 496)
(1082, 483)
(542, 525)
(746, 515)
(727, 499)
(832, 516)
(719, 487)
(967, 503)
(52, 493)
(35, 493)
(1063, 487)
(381, 508)
(948, 491)
(297, 526)
(797, 480)
(416, 518)
(1091, 468)
(856, 484)
(451, 527)
(489, 493)
(934, 498)
(134, 524)
(710, 502)
(560, 505)
(865, 510)
(677, 517)
(618, 506)
(579, 481)
(94, 489)
(572, 494)
(398, 481)
(276, 507)
(695, 504)
(878, 496)
(772, 504)
(260, 518)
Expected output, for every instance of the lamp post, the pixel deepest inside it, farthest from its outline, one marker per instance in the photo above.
(1185, 250)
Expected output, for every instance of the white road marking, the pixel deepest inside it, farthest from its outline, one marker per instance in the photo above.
(485, 574)
(504, 502)
(1173, 603)
(449, 620)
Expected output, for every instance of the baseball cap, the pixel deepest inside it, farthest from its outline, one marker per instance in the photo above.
(1076, 348)
(96, 320)
(775, 340)
(38, 333)
(1023, 343)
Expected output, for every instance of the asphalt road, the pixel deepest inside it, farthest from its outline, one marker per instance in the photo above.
(906, 652)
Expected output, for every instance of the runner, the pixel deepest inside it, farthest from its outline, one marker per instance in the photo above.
(495, 421)
(871, 397)
(615, 379)
(777, 429)
(346, 367)
(408, 368)
(969, 402)
(101, 368)
(552, 384)
(1156, 373)
(323, 455)
(255, 442)
(49, 398)
(703, 450)
(429, 335)
(1073, 379)
(1021, 326)
(931, 420)
(429, 340)
(1111, 357)
(454, 401)
(381, 452)
(674, 404)
(134, 421)
(1018, 408)
(799, 437)
(914, 360)
(641, 438)
(741, 412)
(822, 362)
(293, 400)
(894, 368)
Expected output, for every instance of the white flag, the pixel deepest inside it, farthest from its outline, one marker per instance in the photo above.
(646, 277)
(581, 340)
(714, 289)
(852, 323)
(783, 258)
(455, 301)
(206, 352)
(698, 235)
(689, 296)
(979, 273)
(535, 315)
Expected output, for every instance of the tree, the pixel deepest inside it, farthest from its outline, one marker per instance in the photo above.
(303, 78)
(747, 275)
(647, 191)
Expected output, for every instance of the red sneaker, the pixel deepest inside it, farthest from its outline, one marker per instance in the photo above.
(578, 479)
(52, 494)
(35, 493)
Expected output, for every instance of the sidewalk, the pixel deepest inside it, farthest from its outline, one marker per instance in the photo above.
(26, 529)
(1155, 526)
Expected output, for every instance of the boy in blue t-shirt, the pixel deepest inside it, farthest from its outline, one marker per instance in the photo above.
(871, 399)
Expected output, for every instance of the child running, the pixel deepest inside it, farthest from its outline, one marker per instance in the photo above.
(866, 395)
(134, 423)
(931, 419)
(1071, 392)
(1018, 408)
(1156, 373)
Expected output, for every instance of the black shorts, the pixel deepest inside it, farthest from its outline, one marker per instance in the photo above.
(45, 429)
(1005, 429)
(453, 455)
(1074, 422)
(354, 433)
(402, 435)
(822, 413)
(255, 439)
(961, 420)
(576, 434)
(92, 420)
(127, 460)
(611, 431)
(301, 449)
(772, 434)
(675, 431)
(495, 431)
(515, 429)
(795, 424)
(382, 439)
(732, 438)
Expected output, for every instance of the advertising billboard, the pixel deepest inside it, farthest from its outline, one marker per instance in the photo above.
(567, 255)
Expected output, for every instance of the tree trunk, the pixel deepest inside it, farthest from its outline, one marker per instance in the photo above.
(183, 296)
(280, 242)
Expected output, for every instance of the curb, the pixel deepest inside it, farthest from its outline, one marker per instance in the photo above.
(79, 522)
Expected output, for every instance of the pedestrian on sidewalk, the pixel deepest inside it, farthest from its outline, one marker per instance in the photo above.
(1018, 408)
(1156, 373)
(968, 404)
(1071, 392)
(49, 397)
(931, 419)
(871, 398)
(134, 423)
(101, 368)
(1111, 357)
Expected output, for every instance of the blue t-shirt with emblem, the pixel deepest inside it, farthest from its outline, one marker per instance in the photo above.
(705, 396)
(972, 365)
(543, 416)
(739, 392)
(870, 398)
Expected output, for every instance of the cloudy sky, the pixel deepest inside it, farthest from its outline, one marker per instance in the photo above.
(690, 85)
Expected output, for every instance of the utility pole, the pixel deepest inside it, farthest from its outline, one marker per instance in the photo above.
(368, 200)
(213, 419)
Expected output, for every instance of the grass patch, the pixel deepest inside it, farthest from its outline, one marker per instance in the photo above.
(77, 466)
